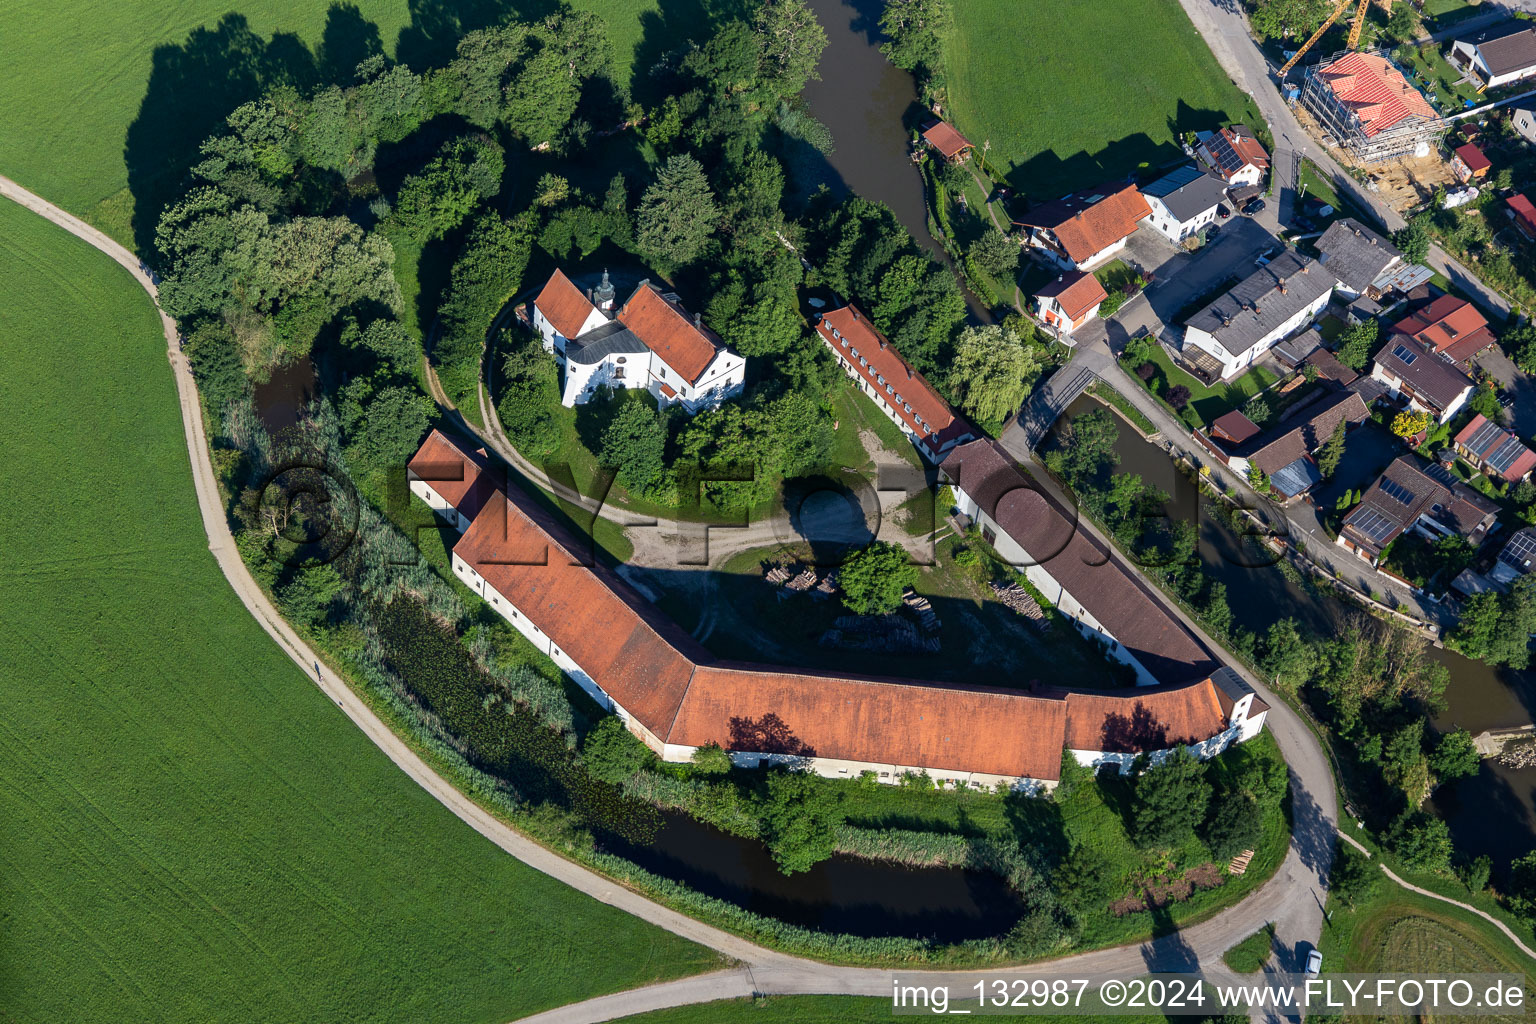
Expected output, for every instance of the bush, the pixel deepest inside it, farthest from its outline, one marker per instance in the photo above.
(612, 753)
(873, 578)
(1178, 396)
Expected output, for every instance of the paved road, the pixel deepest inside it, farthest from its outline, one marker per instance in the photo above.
(1292, 898)
(1225, 29)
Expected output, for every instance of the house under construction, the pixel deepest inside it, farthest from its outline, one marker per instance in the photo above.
(1368, 109)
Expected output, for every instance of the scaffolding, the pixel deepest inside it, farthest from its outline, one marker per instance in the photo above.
(1342, 128)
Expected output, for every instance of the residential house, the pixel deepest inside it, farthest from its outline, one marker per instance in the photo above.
(676, 697)
(1233, 155)
(1495, 451)
(1223, 339)
(1082, 230)
(1469, 164)
(1416, 495)
(1366, 105)
(1088, 583)
(1524, 120)
(1285, 454)
(1450, 326)
(1523, 214)
(897, 389)
(1412, 371)
(947, 142)
(1183, 202)
(650, 342)
(1517, 558)
(1363, 261)
(1497, 56)
(1069, 301)
(455, 481)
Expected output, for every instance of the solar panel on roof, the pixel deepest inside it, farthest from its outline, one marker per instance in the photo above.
(1439, 474)
(1373, 525)
(1406, 356)
(1506, 454)
(1393, 489)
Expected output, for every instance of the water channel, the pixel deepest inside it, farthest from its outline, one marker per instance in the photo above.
(1492, 813)
(863, 99)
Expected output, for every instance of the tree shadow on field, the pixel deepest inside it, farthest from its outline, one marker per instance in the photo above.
(668, 32)
(437, 26)
(192, 88)
(348, 40)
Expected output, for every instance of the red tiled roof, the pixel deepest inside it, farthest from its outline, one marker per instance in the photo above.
(563, 304)
(1153, 718)
(1473, 158)
(462, 478)
(1525, 213)
(898, 722)
(943, 137)
(665, 329)
(930, 417)
(1374, 91)
(1076, 293)
(681, 695)
(1449, 325)
(1090, 221)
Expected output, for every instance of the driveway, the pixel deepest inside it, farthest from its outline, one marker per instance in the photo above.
(1515, 382)
(1185, 277)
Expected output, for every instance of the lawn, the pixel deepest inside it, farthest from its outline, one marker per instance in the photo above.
(1401, 932)
(1250, 955)
(1209, 402)
(1429, 66)
(818, 1010)
(1314, 184)
(193, 831)
(1076, 92)
(80, 74)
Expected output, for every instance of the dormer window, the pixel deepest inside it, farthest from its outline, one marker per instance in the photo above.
(855, 354)
(863, 362)
(845, 343)
(889, 390)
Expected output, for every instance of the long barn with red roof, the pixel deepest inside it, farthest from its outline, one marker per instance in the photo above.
(677, 697)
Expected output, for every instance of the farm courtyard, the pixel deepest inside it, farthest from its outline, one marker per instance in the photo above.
(1075, 92)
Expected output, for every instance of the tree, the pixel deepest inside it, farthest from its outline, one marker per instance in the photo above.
(1356, 342)
(912, 28)
(1403, 24)
(1423, 841)
(1403, 764)
(1521, 888)
(1413, 240)
(1178, 396)
(1455, 756)
(388, 340)
(996, 254)
(791, 41)
(1170, 801)
(1235, 825)
(1375, 666)
(1257, 409)
(384, 426)
(1288, 657)
(992, 372)
(634, 444)
(711, 759)
(677, 215)
(612, 753)
(552, 190)
(800, 816)
(1289, 19)
(1485, 401)
(1408, 423)
(1474, 874)
(1332, 451)
(1353, 878)
(874, 577)
(1496, 628)
(308, 596)
(1087, 446)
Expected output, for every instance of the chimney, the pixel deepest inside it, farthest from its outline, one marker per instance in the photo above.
(909, 373)
(696, 319)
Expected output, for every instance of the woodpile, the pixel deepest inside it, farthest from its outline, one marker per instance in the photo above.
(1240, 863)
(926, 616)
(803, 582)
(1019, 599)
(827, 587)
(778, 575)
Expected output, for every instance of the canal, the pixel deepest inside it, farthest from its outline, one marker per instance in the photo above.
(1481, 697)
(864, 101)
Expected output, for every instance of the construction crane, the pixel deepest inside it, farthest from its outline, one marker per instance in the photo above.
(1333, 16)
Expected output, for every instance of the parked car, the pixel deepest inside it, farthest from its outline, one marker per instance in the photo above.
(1223, 212)
(1254, 206)
(1314, 963)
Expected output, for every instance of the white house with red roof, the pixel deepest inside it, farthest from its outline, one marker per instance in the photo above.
(1069, 301)
(1233, 154)
(1082, 230)
(649, 342)
(897, 389)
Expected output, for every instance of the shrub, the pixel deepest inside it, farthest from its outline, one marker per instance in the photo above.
(1146, 371)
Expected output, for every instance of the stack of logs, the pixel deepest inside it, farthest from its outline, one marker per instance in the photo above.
(1019, 599)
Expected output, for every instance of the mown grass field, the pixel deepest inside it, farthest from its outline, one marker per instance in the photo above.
(192, 831)
(79, 74)
(1076, 92)
(818, 1010)
(1401, 932)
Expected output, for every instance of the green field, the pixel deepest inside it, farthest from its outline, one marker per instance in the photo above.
(192, 831)
(820, 1010)
(101, 101)
(1075, 92)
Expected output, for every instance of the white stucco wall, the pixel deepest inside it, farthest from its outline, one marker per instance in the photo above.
(1235, 364)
